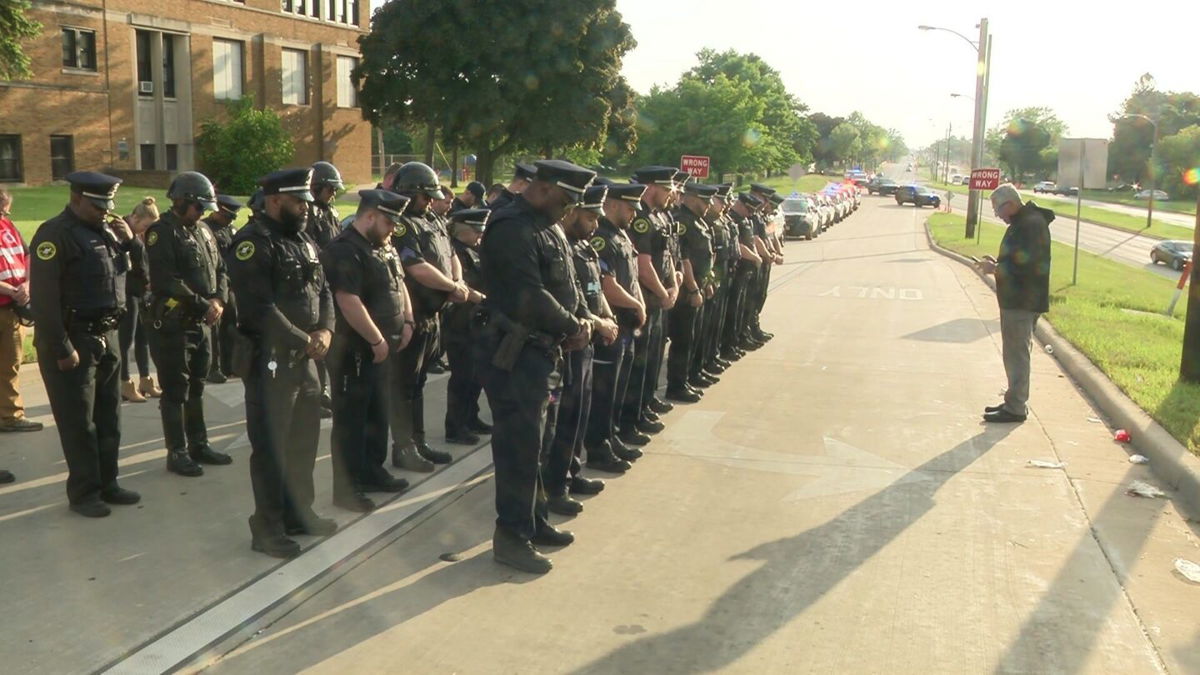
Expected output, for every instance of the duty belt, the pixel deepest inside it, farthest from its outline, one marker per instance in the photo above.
(98, 326)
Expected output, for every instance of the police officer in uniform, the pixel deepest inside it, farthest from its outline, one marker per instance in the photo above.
(287, 314)
(434, 277)
(463, 387)
(522, 175)
(533, 310)
(758, 294)
(374, 321)
(567, 419)
(696, 251)
(220, 224)
(78, 272)
(471, 198)
(707, 357)
(747, 266)
(188, 287)
(324, 223)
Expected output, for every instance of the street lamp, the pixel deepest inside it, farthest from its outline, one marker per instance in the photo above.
(972, 100)
(982, 50)
(1153, 142)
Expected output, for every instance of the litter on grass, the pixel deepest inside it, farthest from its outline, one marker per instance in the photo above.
(1142, 489)
(1122, 436)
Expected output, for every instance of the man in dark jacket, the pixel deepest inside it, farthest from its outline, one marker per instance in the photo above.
(1023, 290)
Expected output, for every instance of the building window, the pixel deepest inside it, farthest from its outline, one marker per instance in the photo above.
(295, 77)
(302, 7)
(79, 48)
(227, 69)
(342, 11)
(62, 156)
(145, 72)
(10, 158)
(147, 156)
(168, 50)
(347, 96)
(172, 157)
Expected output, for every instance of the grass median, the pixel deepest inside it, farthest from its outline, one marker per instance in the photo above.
(1114, 316)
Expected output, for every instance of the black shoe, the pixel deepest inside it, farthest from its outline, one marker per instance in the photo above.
(609, 464)
(119, 495)
(312, 524)
(633, 437)
(711, 378)
(763, 336)
(548, 535)
(723, 363)
(326, 413)
(625, 452)
(409, 459)
(382, 481)
(730, 356)
(91, 509)
(1003, 416)
(216, 377)
(650, 415)
(462, 438)
(648, 427)
(564, 505)
(698, 383)
(508, 549)
(660, 406)
(683, 396)
(275, 545)
(586, 486)
(326, 400)
(356, 502)
(204, 454)
(993, 408)
(435, 456)
(479, 426)
(749, 345)
(6, 477)
(436, 368)
(178, 461)
(715, 367)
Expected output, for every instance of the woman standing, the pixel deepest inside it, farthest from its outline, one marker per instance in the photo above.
(131, 330)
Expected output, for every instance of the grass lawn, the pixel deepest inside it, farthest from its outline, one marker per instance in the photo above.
(1093, 214)
(1138, 350)
(1175, 205)
(810, 183)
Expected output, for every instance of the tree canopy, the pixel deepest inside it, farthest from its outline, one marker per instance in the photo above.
(15, 25)
(1026, 142)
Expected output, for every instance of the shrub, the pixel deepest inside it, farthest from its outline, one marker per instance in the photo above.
(249, 144)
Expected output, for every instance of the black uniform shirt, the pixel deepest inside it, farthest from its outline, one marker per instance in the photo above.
(138, 278)
(650, 236)
(423, 239)
(457, 317)
(503, 199)
(280, 285)
(222, 233)
(185, 263)
(587, 273)
(323, 224)
(372, 272)
(618, 259)
(695, 243)
(528, 272)
(77, 269)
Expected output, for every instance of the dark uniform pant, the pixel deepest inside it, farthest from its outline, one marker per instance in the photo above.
(655, 358)
(182, 357)
(222, 338)
(283, 423)
(760, 295)
(565, 433)
(683, 320)
(406, 391)
(742, 284)
(706, 333)
(635, 393)
(86, 402)
(359, 439)
(462, 387)
(519, 399)
(611, 365)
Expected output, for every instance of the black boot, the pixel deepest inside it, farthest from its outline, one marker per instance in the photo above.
(269, 539)
(409, 459)
(115, 494)
(563, 505)
(648, 427)
(197, 435)
(354, 501)
(178, 461)
(586, 486)
(623, 451)
(660, 406)
(462, 437)
(379, 480)
(433, 455)
(308, 522)
(683, 395)
(631, 436)
(479, 426)
(548, 535)
(509, 549)
(601, 458)
(204, 454)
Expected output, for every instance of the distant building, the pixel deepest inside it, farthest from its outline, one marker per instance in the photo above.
(123, 85)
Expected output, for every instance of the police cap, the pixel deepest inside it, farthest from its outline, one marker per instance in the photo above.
(682, 177)
(655, 175)
(292, 182)
(98, 187)
(762, 189)
(228, 205)
(593, 198)
(256, 201)
(723, 190)
(630, 192)
(705, 192)
(524, 171)
(570, 177)
(750, 199)
(476, 218)
(386, 202)
(776, 199)
(476, 188)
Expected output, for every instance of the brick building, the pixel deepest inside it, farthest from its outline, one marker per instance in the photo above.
(123, 85)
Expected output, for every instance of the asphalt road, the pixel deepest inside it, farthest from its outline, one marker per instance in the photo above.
(1180, 219)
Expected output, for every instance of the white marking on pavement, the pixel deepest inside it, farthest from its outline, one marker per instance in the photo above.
(875, 293)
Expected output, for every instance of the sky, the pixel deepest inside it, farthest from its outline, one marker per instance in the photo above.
(869, 56)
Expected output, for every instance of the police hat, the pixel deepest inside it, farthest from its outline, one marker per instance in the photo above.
(630, 192)
(476, 188)
(98, 187)
(762, 189)
(476, 218)
(570, 177)
(682, 177)
(256, 201)
(705, 192)
(228, 205)
(655, 175)
(524, 171)
(593, 198)
(776, 199)
(750, 199)
(293, 182)
(386, 202)
(723, 190)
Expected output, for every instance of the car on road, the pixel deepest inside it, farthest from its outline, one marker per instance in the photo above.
(917, 195)
(1159, 195)
(800, 218)
(882, 186)
(1046, 186)
(1173, 253)
(1065, 191)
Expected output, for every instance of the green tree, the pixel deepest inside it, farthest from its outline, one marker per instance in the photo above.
(1129, 152)
(1180, 153)
(823, 148)
(249, 144)
(496, 77)
(1026, 143)
(845, 143)
(15, 25)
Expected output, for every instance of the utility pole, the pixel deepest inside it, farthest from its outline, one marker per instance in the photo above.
(1189, 365)
(981, 67)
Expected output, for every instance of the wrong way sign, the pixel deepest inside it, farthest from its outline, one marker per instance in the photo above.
(985, 179)
(697, 165)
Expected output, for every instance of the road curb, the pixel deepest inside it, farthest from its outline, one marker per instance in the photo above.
(1174, 465)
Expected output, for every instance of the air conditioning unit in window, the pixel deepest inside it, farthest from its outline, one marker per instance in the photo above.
(146, 87)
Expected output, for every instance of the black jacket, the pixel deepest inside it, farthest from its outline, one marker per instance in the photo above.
(1023, 266)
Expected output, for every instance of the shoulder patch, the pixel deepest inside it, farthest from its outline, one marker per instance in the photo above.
(245, 250)
(46, 250)
(401, 230)
(641, 225)
(680, 227)
(598, 243)
(151, 237)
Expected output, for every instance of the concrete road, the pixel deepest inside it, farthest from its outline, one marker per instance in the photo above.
(1180, 219)
(833, 505)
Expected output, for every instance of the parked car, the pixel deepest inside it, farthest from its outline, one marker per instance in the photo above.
(1046, 186)
(882, 186)
(828, 213)
(917, 195)
(1067, 191)
(800, 218)
(1159, 195)
(1173, 253)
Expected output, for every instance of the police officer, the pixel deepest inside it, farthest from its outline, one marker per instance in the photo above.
(696, 251)
(522, 175)
(374, 321)
(650, 235)
(220, 224)
(567, 419)
(434, 277)
(533, 308)
(471, 198)
(78, 272)
(748, 264)
(324, 223)
(287, 314)
(188, 287)
(758, 293)
(706, 357)
(463, 387)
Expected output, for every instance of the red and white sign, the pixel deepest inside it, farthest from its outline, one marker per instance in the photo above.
(985, 179)
(695, 165)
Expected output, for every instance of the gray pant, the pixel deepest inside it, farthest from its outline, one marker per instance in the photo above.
(1016, 330)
